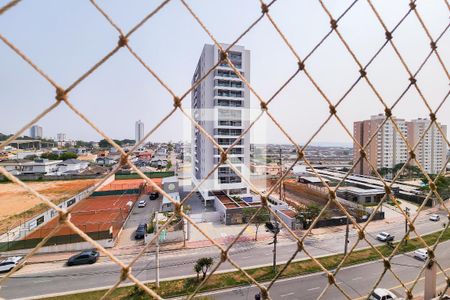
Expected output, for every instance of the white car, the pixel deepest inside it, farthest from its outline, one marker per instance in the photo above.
(9, 263)
(421, 254)
(385, 237)
(435, 218)
(142, 203)
(382, 294)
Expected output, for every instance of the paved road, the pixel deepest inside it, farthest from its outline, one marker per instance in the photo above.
(357, 281)
(138, 216)
(54, 277)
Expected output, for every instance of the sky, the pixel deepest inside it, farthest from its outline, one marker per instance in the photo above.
(65, 38)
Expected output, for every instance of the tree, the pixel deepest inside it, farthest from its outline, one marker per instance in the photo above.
(384, 171)
(50, 156)
(105, 144)
(169, 165)
(261, 217)
(203, 264)
(198, 269)
(307, 215)
(442, 185)
(67, 155)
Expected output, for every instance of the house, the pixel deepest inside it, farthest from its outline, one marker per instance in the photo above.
(105, 161)
(38, 166)
(72, 166)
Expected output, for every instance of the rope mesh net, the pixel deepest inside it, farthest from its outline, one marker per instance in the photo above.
(412, 10)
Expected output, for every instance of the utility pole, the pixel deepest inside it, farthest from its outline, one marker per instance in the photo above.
(430, 281)
(346, 237)
(281, 175)
(406, 224)
(157, 253)
(275, 247)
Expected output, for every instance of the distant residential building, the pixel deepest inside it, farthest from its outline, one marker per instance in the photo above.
(61, 137)
(271, 169)
(139, 131)
(72, 166)
(36, 132)
(431, 151)
(220, 104)
(387, 147)
(105, 161)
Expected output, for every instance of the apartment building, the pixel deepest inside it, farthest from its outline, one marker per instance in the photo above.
(36, 132)
(220, 104)
(431, 151)
(138, 131)
(385, 150)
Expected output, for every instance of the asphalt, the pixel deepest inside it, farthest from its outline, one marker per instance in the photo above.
(42, 281)
(356, 281)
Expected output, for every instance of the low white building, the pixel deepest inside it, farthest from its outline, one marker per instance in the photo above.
(39, 166)
(72, 166)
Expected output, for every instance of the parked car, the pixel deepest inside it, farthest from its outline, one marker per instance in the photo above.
(385, 237)
(9, 263)
(421, 254)
(435, 218)
(442, 297)
(154, 195)
(85, 257)
(142, 203)
(382, 294)
(140, 231)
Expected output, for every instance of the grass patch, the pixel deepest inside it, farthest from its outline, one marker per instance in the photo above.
(233, 279)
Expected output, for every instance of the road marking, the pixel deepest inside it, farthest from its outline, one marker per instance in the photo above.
(357, 278)
(406, 284)
(314, 288)
(245, 257)
(288, 294)
(43, 280)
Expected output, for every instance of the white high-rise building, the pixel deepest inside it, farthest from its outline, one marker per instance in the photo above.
(36, 132)
(432, 149)
(139, 131)
(61, 137)
(220, 104)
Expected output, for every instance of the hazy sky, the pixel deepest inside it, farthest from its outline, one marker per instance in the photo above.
(65, 38)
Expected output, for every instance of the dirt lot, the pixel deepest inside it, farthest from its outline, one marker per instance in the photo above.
(297, 194)
(16, 204)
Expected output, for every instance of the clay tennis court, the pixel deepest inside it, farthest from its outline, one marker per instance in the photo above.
(128, 184)
(93, 214)
(101, 213)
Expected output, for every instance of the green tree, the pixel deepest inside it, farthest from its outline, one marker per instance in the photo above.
(198, 269)
(442, 185)
(307, 215)
(50, 156)
(67, 155)
(384, 171)
(169, 165)
(203, 264)
(261, 217)
(105, 144)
